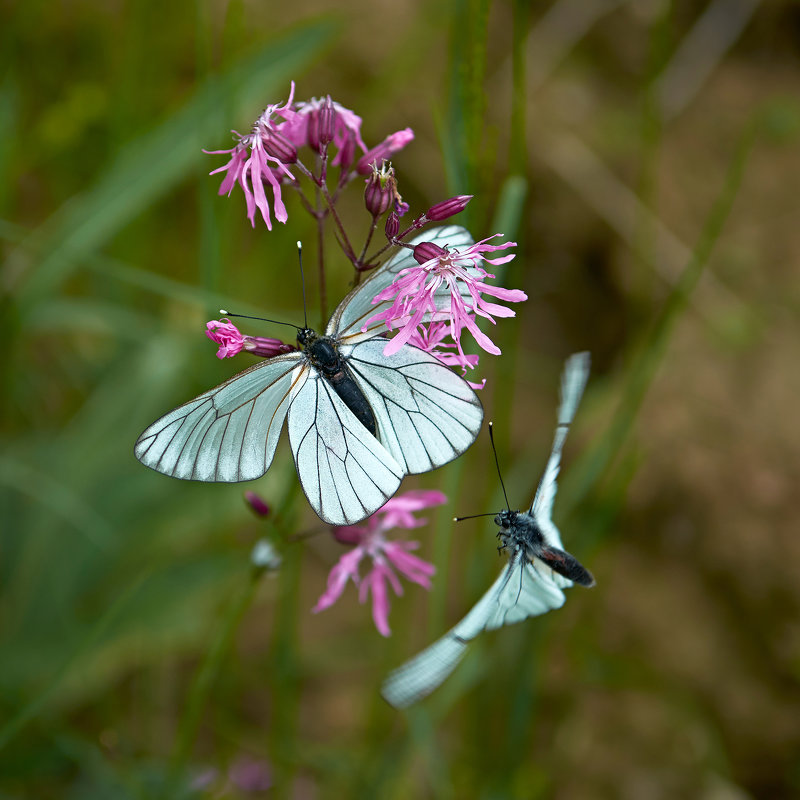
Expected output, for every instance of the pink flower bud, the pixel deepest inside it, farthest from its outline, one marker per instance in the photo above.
(278, 146)
(347, 152)
(264, 346)
(327, 122)
(321, 125)
(257, 504)
(381, 189)
(392, 226)
(425, 251)
(226, 335)
(447, 208)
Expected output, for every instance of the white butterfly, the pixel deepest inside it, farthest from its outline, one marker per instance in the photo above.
(532, 582)
(359, 421)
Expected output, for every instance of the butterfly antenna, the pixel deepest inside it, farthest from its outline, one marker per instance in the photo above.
(260, 319)
(497, 463)
(302, 281)
(475, 516)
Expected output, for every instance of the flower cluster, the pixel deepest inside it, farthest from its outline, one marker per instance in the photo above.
(415, 297)
(386, 556)
(267, 153)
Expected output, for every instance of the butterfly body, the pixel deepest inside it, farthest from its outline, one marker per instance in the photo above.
(522, 535)
(324, 355)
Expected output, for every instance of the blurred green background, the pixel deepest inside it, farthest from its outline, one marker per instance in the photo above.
(645, 156)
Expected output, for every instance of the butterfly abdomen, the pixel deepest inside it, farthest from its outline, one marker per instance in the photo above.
(324, 356)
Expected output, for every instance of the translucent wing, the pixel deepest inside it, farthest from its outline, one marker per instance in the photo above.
(345, 472)
(426, 414)
(573, 382)
(230, 432)
(520, 591)
(348, 319)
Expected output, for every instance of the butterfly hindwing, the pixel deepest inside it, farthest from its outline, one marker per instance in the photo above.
(426, 414)
(520, 591)
(345, 472)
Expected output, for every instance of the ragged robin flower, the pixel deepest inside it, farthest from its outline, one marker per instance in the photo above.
(232, 341)
(259, 157)
(416, 294)
(386, 556)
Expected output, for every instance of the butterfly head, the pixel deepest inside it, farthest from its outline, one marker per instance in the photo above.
(306, 337)
(506, 519)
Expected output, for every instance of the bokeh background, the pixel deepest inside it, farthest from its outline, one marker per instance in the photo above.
(645, 156)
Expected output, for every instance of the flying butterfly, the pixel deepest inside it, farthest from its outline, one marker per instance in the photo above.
(538, 568)
(358, 421)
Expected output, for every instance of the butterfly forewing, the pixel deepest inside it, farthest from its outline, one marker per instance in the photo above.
(573, 382)
(228, 433)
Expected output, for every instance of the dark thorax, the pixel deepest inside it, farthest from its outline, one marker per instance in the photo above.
(520, 532)
(324, 355)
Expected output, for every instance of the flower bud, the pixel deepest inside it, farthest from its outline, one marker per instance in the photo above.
(265, 556)
(327, 122)
(278, 146)
(229, 338)
(265, 347)
(380, 191)
(426, 251)
(347, 534)
(447, 208)
(257, 504)
(392, 226)
(347, 152)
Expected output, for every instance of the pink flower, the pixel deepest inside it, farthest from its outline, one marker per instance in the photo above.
(303, 127)
(258, 157)
(386, 556)
(458, 274)
(384, 151)
(431, 337)
(231, 341)
(226, 335)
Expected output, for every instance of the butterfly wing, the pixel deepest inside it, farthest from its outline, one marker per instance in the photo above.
(345, 472)
(228, 433)
(573, 382)
(520, 591)
(426, 414)
(353, 312)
